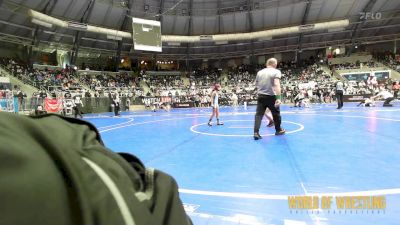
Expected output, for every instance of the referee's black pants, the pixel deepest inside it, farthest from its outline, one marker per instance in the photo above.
(116, 109)
(339, 96)
(387, 101)
(264, 102)
(77, 110)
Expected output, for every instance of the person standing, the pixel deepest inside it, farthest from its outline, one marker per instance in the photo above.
(97, 98)
(196, 100)
(20, 96)
(128, 103)
(396, 89)
(269, 96)
(339, 94)
(88, 98)
(116, 102)
(78, 104)
(24, 97)
(319, 95)
(215, 105)
(42, 97)
(235, 100)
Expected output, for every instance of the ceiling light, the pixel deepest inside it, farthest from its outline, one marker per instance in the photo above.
(41, 23)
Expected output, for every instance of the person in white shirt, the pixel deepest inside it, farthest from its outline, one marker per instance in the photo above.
(310, 95)
(387, 96)
(78, 104)
(234, 100)
(339, 94)
(372, 81)
(215, 105)
(116, 102)
(299, 98)
(368, 102)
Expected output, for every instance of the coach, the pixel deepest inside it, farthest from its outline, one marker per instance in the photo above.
(269, 96)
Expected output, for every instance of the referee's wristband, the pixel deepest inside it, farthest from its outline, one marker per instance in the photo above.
(278, 97)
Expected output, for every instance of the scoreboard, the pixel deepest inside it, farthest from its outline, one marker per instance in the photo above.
(146, 35)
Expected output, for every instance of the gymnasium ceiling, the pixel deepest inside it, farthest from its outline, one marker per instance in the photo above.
(197, 17)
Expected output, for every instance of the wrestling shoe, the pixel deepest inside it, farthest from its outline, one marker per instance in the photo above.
(220, 123)
(281, 132)
(257, 136)
(209, 124)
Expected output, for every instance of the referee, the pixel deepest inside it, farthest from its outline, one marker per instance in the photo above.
(269, 96)
(339, 94)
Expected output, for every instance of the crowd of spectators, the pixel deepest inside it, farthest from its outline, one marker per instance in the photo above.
(308, 80)
(295, 79)
(41, 78)
(104, 80)
(239, 83)
(122, 83)
(205, 77)
(389, 59)
(350, 66)
(194, 87)
(164, 85)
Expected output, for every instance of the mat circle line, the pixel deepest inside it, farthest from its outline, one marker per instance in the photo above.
(192, 128)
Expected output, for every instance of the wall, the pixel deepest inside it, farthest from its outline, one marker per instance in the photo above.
(63, 59)
(384, 46)
(8, 50)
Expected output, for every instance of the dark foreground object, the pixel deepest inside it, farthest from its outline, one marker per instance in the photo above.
(56, 170)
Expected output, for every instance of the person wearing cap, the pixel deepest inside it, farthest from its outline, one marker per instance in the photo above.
(269, 96)
(215, 105)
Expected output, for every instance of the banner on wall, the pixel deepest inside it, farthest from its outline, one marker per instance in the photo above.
(363, 76)
(53, 105)
(309, 85)
(183, 104)
(152, 100)
(356, 98)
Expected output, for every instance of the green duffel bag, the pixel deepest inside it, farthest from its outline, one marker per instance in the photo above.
(56, 171)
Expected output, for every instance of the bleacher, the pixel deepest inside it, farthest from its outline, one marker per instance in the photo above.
(196, 87)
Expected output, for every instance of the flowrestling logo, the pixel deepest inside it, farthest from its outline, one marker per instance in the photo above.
(370, 15)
